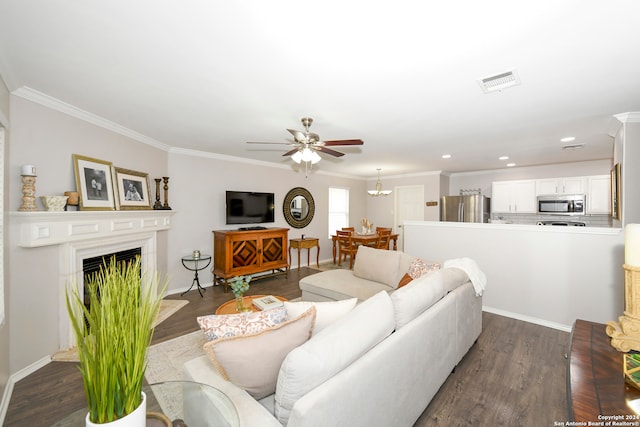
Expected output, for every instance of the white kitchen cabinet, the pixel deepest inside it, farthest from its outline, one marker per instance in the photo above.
(599, 194)
(569, 185)
(513, 196)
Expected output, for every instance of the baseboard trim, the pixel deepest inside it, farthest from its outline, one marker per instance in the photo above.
(528, 319)
(6, 398)
(14, 378)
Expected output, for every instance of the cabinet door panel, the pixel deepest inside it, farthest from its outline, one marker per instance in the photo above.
(272, 250)
(245, 253)
(599, 195)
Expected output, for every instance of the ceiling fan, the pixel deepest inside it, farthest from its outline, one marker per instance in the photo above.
(306, 144)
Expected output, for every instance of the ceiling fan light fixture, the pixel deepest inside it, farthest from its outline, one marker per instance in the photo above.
(297, 156)
(379, 191)
(315, 157)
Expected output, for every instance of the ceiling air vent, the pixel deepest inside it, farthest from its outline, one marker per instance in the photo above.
(499, 81)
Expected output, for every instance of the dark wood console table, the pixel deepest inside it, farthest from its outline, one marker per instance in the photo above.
(595, 381)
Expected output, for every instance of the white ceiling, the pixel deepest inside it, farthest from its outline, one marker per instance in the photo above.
(210, 75)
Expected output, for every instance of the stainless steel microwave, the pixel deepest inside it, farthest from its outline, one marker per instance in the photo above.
(562, 204)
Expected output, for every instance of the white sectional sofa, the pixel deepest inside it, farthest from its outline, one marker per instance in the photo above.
(378, 365)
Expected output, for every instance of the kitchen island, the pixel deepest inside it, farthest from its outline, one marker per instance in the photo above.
(542, 274)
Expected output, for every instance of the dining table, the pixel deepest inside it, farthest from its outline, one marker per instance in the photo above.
(362, 239)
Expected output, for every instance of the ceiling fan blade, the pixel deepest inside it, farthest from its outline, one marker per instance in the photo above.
(277, 143)
(290, 152)
(343, 142)
(329, 151)
(299, 136)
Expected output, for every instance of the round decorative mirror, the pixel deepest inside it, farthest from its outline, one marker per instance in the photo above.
(298, 207)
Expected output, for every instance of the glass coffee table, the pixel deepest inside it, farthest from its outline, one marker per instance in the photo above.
(178, 404)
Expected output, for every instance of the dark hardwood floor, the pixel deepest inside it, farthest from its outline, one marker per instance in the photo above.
(513, 376)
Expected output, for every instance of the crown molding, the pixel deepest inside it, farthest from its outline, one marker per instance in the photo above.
(630, 117)
(45, 100)
(227, 158)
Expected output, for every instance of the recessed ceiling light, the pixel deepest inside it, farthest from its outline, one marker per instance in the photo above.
(503, 158)
(446, 156)
(568, 139)
(510, 165)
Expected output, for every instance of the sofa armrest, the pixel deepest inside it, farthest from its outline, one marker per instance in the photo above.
(250, 411)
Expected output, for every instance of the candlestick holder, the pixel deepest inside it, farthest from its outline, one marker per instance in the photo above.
(157, 204)
(28, 194)
(166, 193)
(625, 333)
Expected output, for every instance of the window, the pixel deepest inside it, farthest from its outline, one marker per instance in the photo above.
(338, 209)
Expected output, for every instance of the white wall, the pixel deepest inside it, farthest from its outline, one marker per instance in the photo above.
(199, 184)
(547, 275)
(380, 210)
(47, 138)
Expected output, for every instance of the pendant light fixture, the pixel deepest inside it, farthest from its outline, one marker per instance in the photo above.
(379, 191)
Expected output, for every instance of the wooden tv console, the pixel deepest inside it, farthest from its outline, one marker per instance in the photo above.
(242, 252)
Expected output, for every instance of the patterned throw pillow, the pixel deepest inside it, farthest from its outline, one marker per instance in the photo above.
(219, 326)
(419, 267)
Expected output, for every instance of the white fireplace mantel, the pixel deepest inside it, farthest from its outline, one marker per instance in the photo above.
(54, 228)
(85, 234)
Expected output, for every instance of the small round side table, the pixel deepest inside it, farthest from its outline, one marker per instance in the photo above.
(196, 264)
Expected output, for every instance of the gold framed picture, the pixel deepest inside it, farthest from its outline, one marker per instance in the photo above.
(94, 183)
(616, 187)
(132, 189)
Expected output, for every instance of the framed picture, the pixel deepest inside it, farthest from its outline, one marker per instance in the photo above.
(132, 189)
(616, 208)
(94, 183)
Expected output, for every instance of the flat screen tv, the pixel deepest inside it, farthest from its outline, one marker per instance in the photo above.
(248, 207)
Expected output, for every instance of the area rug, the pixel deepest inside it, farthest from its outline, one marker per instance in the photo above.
(165, 362)
(167, 308)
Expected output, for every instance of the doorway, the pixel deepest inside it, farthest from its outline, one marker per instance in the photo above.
(409, 206)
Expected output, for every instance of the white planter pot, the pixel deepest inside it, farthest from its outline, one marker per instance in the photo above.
(137, 418)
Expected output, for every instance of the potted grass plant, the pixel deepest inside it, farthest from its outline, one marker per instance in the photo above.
(112, 337)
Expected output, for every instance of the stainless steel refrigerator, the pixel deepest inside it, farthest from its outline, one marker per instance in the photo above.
(473, 208)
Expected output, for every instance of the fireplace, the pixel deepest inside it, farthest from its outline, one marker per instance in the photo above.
(74, 256)
(92, 266)
(83, 235)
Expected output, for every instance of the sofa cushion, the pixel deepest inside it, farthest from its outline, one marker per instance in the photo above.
(416, 297)
(378, 265)
(326, 312)
(217, 326)
(341, 284)
(252, 361)
(332, 350)
(452, 278)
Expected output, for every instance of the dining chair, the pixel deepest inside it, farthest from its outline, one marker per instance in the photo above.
(384, 236)
(379, 229)
(352, 229)
(346, 246)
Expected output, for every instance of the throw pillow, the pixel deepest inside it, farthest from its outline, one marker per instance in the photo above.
(229, 325)
(418, 267)
(326, 312)
(377, 265)
(328, 353)
(252, 361)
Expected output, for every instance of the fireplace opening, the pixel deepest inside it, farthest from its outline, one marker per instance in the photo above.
(92, 266)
